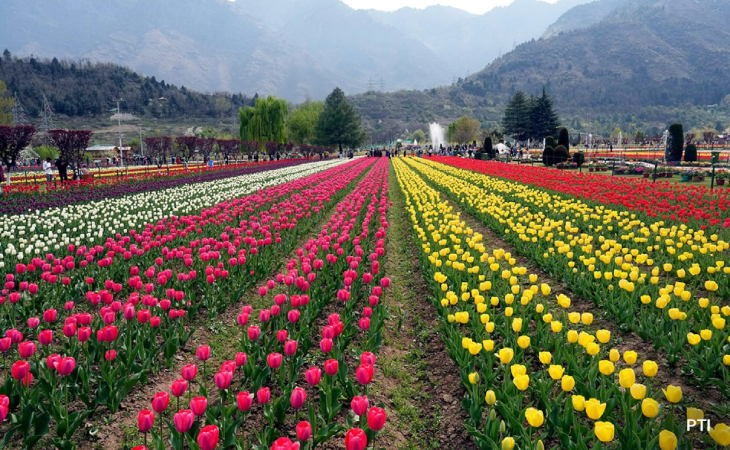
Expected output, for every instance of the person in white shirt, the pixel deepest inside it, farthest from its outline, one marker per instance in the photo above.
(48, 169)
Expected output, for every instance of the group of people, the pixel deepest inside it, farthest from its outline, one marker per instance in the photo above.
(62, 166)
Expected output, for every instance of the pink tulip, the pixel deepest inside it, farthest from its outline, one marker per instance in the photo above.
(263, 395)
(244, 401)
(313, 376)
(160, 401)
(66, 365)
(359, 405)
(183, 420)
(198, 405)
(178, 387)
(298, 397)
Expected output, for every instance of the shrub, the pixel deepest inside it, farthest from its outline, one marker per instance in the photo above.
(564, 138)
(560, 154)
(675, 142)
(579, 158)
(547, 156)
(549, 142)
(690, 153)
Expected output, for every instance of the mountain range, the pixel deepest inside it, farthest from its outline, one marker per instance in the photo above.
(295, 49)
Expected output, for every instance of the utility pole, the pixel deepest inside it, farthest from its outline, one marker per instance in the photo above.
(382, 84)
(141, 143)
(47, 121)
(19, 115)
(371, 86)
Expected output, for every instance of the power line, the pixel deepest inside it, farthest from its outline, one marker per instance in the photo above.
(382, 84)
(371, 85)
(47, 119)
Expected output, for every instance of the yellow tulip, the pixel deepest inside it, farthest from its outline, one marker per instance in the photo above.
(508, 443)
(605, 367)
(521, 381)
(539, 308)
(474, 378)
(545, 289)
(488, 345)
(704, 302)
(489, 327)
(594, 408)
(556, 326)
(693, 339)
(533, 278)
(721, 434)
(718, 322)
(518, 369)
(626, 378)
(603, 336)
(726, 359)
(649, 407)
(673, 393)
(490, 398)
(506, 355)
(572, 336)
(534, 417)
(509, 311)
(517, 325)
(556, 372)
(475, 348)
(667, 267)
(667, 440)
(711, 285)
(694, 413)
(545, 357)
(604, 431)
(614, 355)
(593, 349)
(523, 341)
(675, 313)
(706, 335)
(567, 383)
(579, 402)
(547, 318)
(587, 318)
(650, 368)
(574, 317)
(630, 357)
(638, 391)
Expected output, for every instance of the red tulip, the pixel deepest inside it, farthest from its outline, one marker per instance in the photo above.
(293, 316)
(143, 315)
(331, 367)
(33, 322)
(198, 405)
(203, 352)
(304, 431)
(326, 345)
(53, 360)
(69, 330)
(254, 332)
(284, 443)
(26, 349)
(189, 372)
(208, 437)
(313, 376)
(376, 418)
(5, 344)
(244, 400)
(178, 387)
(242, 319)
(364, 373)
(364, 323)
(84, 334)
(183, 420)
(263, 395)
(290, 347)
(3, 412)
(355, 439)
(145, 420)
(160, 401)
(298, 397)
(360, 405)
(49, 316)
(45, 337)
(110, 355)
(385, 282)
(367, 358)
(282, 335)
(241, 359)
(66, 366)
(274, 360)
(223, 379)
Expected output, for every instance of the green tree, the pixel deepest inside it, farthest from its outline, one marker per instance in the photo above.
(675, 142)
(6, 106)
(466, 130)
(544, 121)
(418, 136)
(303, 120)
(339, 123)
(564, 138)
(265, 121)
(516, 119)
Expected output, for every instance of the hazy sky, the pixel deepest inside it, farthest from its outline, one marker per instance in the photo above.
(473, 6)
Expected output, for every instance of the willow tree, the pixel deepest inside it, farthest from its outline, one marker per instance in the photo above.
(265, 121)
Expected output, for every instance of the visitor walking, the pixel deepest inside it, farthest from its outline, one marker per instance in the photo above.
(48, 169)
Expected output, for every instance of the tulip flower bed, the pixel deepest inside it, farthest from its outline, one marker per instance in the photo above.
(254, 409)
(622, 280)
(537, 373)
(24, 199)
(666, 200)
(251, 230)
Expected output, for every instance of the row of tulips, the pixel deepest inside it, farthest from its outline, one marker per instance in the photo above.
(666, 200)
(26, 199)
(640, 294)
(135, 337)
(271, 352)
(535, 370)
(27, 236)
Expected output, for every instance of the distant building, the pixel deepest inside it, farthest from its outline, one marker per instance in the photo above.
(108, 151)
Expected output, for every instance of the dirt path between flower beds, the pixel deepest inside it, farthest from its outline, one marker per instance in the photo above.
(621, 340)
(119, 431)
(415, 378)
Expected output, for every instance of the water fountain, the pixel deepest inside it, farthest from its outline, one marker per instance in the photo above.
(437, 136)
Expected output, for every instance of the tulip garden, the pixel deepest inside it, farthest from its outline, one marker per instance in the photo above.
(579, 312)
